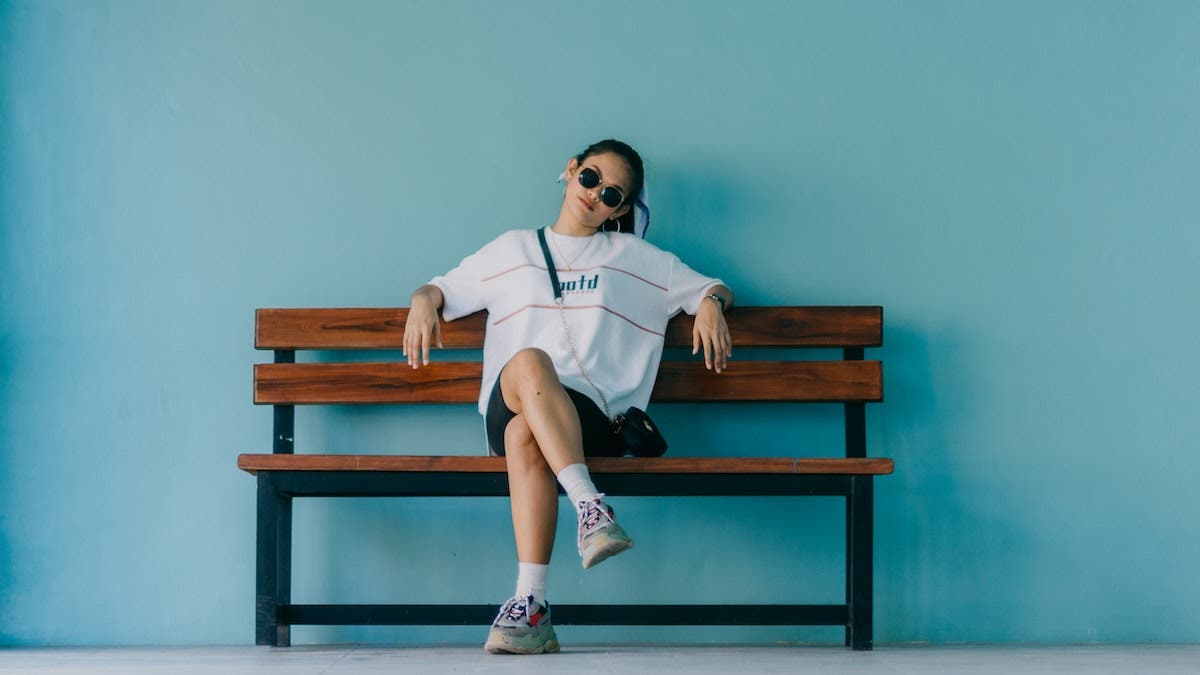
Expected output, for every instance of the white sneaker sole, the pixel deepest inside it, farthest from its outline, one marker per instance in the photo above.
(500, 644)
(604, 545)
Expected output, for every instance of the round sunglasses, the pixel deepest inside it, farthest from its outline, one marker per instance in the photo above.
(611, 196)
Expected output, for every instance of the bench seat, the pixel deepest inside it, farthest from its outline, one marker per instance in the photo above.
(854, 466)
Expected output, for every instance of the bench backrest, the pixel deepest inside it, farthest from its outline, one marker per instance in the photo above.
(850, 380)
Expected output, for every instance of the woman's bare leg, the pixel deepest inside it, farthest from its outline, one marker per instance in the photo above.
(523, 625)
(532, 390)
(543, 439)
(533, 493)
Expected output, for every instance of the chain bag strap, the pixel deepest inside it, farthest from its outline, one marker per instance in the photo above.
(636, 430)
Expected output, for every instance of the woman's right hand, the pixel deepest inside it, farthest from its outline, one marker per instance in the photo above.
(423, 328)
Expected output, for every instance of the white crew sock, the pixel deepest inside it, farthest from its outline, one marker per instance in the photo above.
(576, 480)
(531, 580)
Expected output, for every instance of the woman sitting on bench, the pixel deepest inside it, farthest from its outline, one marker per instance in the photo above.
(560, 364)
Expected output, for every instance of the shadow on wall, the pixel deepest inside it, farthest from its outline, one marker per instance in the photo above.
(7, 359)
(7, 363)
(945, 553)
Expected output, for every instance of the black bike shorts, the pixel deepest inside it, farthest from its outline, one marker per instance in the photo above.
(598, 438)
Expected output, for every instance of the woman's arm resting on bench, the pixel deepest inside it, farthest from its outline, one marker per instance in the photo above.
(423, 327)
(710, 331)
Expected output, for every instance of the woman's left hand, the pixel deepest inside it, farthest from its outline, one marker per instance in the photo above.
(711, 333)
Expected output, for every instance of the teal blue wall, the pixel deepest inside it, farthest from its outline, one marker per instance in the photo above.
(1015, 182)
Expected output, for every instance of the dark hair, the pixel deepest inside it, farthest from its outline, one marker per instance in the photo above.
(637, 176)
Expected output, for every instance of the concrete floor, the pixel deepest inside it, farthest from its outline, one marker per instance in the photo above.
(364, 660)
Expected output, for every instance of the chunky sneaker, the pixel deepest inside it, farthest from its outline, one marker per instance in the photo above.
(600, 537)
(522, 627)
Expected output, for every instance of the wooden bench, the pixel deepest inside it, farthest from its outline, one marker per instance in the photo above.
(283, 476)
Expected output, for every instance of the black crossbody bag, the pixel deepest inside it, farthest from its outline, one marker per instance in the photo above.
(634, 428)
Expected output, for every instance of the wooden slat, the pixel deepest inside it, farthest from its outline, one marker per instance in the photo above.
(458, 382)
(809, 381)
(393, 382)
(383, 328)
(353, 328)
(253, 463)
(792, 327)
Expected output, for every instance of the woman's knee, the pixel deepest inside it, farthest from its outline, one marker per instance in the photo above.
(520, 447)
(530, 361)
(528, 375)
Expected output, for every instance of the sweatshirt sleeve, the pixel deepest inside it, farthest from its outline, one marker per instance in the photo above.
(462, 287)
(683, 292)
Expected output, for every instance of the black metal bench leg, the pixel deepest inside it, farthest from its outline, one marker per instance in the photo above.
(860, 532)
(849, 562)
(274, 564)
